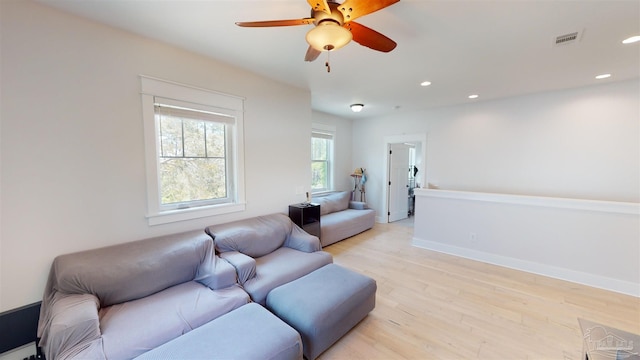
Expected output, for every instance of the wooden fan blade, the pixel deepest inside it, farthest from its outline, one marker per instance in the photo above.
(312, 54)
(353, 9)
(369, 37)
(320, 5)
(269, 23)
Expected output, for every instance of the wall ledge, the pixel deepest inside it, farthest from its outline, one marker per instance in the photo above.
(542, 201)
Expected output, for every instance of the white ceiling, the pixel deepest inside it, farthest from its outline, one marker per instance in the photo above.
(492, 48)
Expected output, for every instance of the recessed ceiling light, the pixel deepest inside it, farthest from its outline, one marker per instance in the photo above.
(603, 76)
(631, 40)
(474, 96)
(425, 83)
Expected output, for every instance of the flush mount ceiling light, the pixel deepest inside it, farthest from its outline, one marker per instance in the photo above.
(425, 83)
(603, 76)
(474, 96)
(356, 107)
(631, 40)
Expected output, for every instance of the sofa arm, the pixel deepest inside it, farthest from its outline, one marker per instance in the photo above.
(217, 274)
(300, 240)
(74, 323)
(91, 350)
(245, 266)
(358, 205)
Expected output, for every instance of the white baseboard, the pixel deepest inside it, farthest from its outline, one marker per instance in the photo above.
(620, 286)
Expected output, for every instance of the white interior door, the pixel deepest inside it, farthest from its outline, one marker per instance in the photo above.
(398, 182)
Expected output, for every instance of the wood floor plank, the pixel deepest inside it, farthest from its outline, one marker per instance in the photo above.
(431, 305)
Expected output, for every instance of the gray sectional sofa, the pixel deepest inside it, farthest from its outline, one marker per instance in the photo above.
(341, 218)
(197, 295)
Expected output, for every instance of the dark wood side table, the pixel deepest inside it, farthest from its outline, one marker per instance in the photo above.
(306, 216)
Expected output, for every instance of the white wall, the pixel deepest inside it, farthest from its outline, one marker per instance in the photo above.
(343, 166)
(72, 149)
(578, 143)
(584, 241)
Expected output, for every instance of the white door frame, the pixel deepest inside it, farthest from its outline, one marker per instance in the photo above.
(394, 139)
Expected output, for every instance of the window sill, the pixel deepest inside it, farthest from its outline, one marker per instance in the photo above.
(323, 192)
(166, 217)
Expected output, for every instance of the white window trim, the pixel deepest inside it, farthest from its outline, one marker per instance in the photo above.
(230, 104)
(330, 130)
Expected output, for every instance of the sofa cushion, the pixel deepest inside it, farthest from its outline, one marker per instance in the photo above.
(281, 267)
(132, 328)
(250, 332)
(255, 237)
(343, 224)
(333, 202)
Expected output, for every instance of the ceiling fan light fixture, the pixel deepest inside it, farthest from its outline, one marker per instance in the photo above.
(356, 107)
(328, 36)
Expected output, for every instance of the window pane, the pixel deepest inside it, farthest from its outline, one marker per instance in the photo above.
(215, 139)
(189, 179)
(319, 175)
(170, 136)
(193, 138)
(319, 149)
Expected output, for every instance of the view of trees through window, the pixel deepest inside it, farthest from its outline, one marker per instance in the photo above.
(320, 156)
(192, 160)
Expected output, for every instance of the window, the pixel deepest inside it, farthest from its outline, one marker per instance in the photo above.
(193, 140)
(192, 158)
(322, 138)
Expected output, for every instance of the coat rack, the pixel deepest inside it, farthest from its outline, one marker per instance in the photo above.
(359, 178)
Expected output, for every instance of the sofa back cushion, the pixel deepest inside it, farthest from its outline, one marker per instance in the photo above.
(133, 270)
(254, 237)
(333, 202)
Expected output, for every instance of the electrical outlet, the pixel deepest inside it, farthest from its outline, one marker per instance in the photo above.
(473, 237)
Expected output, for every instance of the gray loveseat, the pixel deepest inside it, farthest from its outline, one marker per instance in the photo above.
(341, 218)
(121, 301)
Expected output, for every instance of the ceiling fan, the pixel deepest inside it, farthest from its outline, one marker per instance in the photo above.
(334, 26)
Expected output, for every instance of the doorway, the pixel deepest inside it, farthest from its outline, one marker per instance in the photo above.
(405, 169)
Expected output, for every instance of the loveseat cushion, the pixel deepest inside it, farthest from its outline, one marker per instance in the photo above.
(255, 237)
(333, 202)
(132, 328)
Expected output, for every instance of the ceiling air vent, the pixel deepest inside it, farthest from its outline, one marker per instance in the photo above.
(567, 38)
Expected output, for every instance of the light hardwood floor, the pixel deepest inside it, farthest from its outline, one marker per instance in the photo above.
(431, 305)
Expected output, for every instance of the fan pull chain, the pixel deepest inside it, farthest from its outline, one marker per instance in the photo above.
(327, 63)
